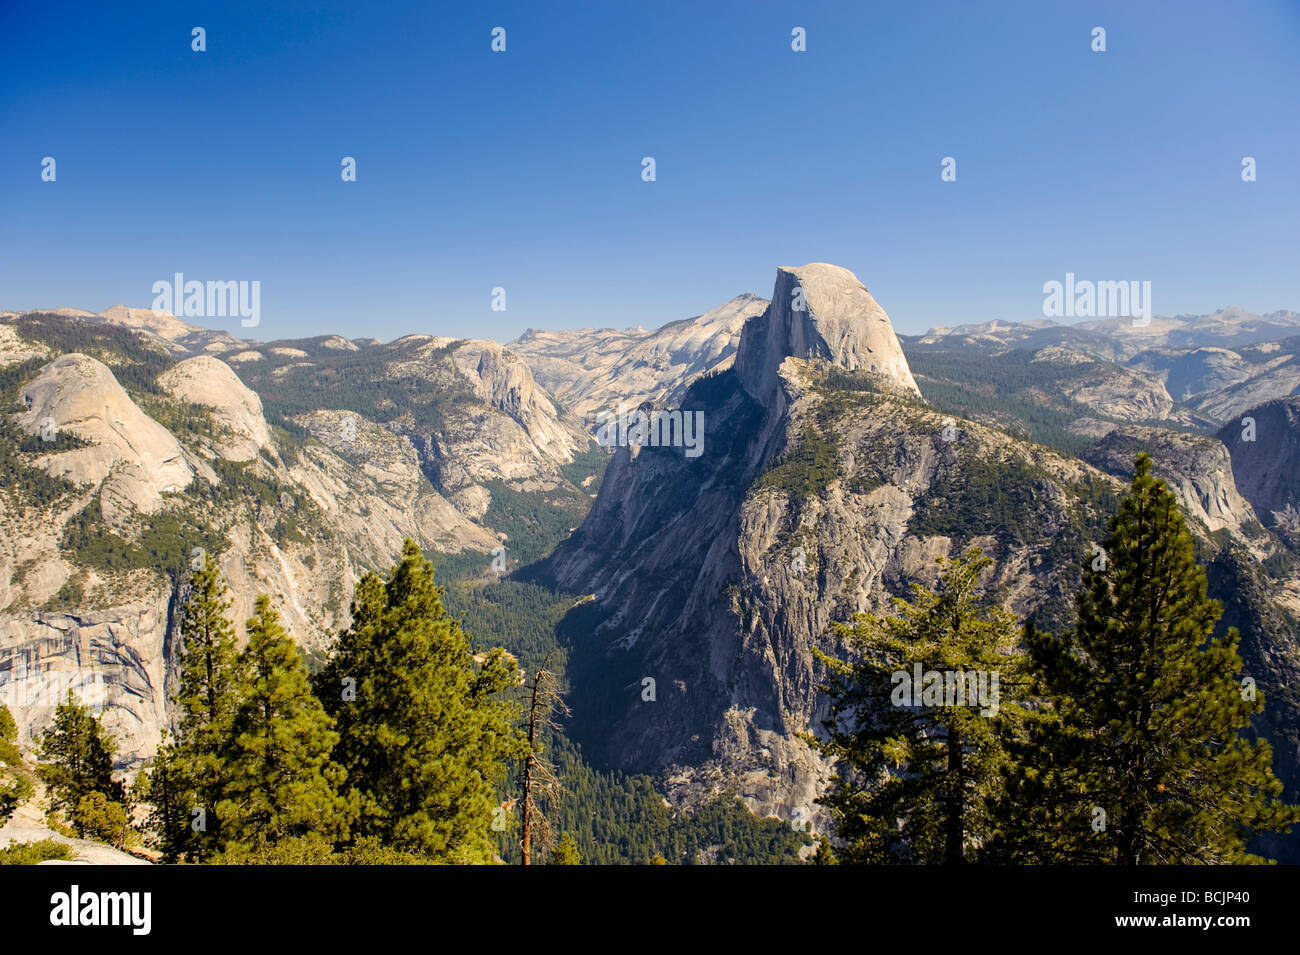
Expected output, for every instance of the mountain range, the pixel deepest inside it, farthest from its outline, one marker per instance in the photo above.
(840, 460)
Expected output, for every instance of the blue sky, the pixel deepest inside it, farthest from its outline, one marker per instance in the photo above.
(523, 169)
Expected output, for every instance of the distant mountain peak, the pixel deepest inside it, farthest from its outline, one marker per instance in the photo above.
(162, 323)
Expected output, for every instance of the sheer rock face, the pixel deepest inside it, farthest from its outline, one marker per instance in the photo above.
(1197, 468)
(503, 382)
(715, 577)
(210, 382)
(692, 566)
(112, 659)
(134, 458)
(1266, 461)
(820, 311)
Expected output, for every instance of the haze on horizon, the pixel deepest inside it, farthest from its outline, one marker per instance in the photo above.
(250, 334)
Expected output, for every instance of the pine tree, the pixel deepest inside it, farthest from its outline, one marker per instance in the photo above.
(824, 855)
(13, 794)
(77, 760)
(19, 788)
(207, 700)
(919, 764)
(1137, 755)
(207, 671)
(164, 788)
(8, 728)
(566, 851)
(279, 780)
(96, 817)
(425, 728)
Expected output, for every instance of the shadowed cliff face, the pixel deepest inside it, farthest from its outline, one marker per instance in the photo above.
(1270, 655)
(1266, 459)
(824, 486)
(661, 551)
(827, 486)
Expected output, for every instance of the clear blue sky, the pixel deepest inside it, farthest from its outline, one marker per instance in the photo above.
(523, 169)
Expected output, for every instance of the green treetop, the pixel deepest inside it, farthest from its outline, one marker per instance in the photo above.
(207, 701)
(566, 851)
(279, 780)
(77, 760)
(426, 730)
(920, 761)
(1137, 755)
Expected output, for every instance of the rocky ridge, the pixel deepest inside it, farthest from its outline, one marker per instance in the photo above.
(594, 370)
(299, 520)
(827, 486)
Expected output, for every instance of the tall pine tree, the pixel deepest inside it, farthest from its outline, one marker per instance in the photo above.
(279, 781)
(426, 730)
(207, 700)
(1136, 756)
(207, 671)
(920, 760)
(77, 760)
(164, 788)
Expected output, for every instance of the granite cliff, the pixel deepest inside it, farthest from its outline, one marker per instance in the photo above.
(826, 486)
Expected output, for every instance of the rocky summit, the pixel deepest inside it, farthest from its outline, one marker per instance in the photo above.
(823, 312)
